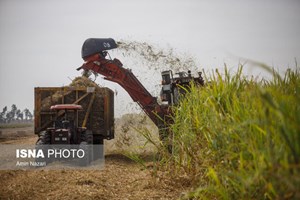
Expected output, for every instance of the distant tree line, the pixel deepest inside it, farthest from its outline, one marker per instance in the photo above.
(15, 115)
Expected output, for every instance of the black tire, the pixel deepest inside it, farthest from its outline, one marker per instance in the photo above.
(89, 137)
(98, 148)
(98, 139)
(42, 143)
(86, 145)
(44, 138)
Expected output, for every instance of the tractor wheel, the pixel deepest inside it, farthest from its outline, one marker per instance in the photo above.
(42, 143)
(89, 137)
(44, 138)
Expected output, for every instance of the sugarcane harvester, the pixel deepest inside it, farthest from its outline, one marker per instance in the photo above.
(94, 53)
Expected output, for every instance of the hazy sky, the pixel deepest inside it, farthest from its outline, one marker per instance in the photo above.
(41, 40)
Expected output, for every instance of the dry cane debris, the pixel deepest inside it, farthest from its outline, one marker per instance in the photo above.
(156, 58)
(56, 98)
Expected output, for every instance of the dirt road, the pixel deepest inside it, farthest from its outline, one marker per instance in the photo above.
(121, 178)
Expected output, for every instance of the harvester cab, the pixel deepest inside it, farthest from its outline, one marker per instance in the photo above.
(174, 87)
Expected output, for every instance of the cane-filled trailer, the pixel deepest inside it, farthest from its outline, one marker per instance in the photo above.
(74, 114)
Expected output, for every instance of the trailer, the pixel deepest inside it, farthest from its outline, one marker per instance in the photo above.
(94, 113)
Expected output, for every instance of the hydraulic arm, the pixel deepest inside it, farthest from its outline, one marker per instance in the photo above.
(113, 70)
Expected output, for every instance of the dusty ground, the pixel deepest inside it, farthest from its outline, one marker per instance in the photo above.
(121, 178)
